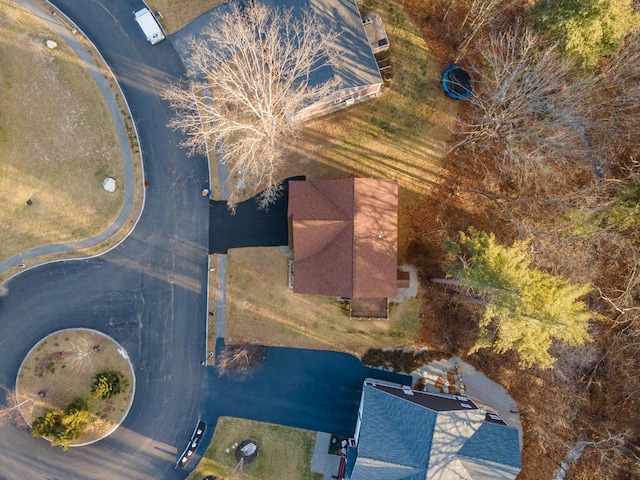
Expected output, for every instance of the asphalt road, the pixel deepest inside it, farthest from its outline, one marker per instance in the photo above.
(149, 293)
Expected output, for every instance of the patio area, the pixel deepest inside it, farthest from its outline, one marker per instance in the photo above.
(322, 461)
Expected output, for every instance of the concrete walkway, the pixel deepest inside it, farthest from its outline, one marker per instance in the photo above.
(221, 298)
(321, 461)
(487, 393)
(63, 31)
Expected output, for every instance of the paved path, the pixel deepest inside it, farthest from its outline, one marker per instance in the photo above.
(221, 298)
(114, 109)
(321, 461)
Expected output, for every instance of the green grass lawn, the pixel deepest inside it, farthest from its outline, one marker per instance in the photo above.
(284, 453)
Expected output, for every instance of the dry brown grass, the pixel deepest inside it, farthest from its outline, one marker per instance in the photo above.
(401, 135)
(57, 141)
(261, 309)
(177, 14)
(70, 376)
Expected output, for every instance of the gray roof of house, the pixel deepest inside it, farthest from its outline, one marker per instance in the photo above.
(494, 443)
(356, 65)
(397, 436)
(390, 446)
(438, 403)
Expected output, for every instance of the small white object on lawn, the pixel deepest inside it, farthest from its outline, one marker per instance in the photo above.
(109, 184)
(249, 449)
(51, 44)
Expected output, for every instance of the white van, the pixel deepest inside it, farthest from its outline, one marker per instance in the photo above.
(149, 26)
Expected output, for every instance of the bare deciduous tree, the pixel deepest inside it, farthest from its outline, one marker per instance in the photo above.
(240, 359)
(479, 14)
(616, 91)
(250, 73)
(232, 359)
(82, 354)
(10, 413)
(529, 113)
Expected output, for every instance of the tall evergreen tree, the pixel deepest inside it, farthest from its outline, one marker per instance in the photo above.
(586, 29)
(526, 309)
(62, 427)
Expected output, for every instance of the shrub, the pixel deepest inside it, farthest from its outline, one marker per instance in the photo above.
(47, 425)
(105, 385)
(62, 426)
(401, 360)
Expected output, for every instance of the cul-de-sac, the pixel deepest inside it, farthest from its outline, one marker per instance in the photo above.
(319, 239)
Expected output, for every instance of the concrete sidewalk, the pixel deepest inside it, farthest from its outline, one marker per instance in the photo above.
(60, 28)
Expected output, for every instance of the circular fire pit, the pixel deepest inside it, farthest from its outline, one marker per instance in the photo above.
(247, 451)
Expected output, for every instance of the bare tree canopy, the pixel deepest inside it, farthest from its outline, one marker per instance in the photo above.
(529, 112)
(250, 73)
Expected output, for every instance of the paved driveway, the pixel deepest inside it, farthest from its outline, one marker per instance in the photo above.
(249, 226)
(312, 389)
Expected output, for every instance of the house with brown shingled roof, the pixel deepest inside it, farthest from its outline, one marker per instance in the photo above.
(344, 235)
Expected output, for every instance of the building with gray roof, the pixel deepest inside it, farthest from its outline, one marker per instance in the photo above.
(403, 434)
(355, 67)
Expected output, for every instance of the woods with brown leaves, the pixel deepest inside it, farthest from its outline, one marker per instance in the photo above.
(545, 151)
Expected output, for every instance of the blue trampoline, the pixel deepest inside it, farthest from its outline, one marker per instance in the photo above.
(456, 83)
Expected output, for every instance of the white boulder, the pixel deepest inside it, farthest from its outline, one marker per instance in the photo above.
(109, 184)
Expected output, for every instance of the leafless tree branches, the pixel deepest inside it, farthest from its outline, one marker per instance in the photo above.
(82, 354)
(250, 73)
(529, 112)
(479, 14)
(240, 359)
(10, 412)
